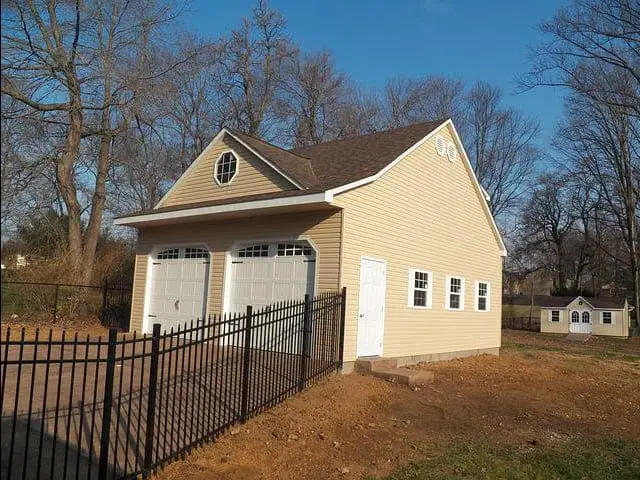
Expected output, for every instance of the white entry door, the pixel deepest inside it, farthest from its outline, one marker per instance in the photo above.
(580, 321)
(179, 279)
(371, 308)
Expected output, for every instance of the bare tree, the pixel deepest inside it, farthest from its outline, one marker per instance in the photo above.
(66, 62)
(314, 93)
(603, 33)
(501, 144)
(593, 50)
(412, 100)
(251, 71)
(548, 221)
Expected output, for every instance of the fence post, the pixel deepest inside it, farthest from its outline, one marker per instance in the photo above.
(104, 301)
(244, 413)
(107, 405)
(343, 308)
(151, 407)
(55, 303)
(306, 342)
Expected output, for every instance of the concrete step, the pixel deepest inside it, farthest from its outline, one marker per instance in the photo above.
(371, 364)
(404, 376)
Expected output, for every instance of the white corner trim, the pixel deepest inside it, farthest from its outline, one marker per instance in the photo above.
(203, 155)
(322, 197)
(411, 289)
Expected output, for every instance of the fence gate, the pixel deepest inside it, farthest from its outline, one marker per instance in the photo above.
(122, 406)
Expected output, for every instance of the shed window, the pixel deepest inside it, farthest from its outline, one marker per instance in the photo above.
(226, 168)
(455, 296)
(482, 296)
(555, 315)
(607, 318)
(420, 283)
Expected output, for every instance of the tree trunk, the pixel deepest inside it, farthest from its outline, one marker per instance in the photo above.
(65, 176)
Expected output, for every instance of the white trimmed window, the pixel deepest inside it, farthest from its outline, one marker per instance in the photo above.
(482, 296)
(607, 318)
(455, 293)
(420, 288)
(226, 168)
(554, 316)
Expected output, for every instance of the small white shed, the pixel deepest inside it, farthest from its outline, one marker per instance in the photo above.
(590, 315)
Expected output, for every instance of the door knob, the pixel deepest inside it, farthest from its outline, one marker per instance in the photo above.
(176, 305)
(362, 315)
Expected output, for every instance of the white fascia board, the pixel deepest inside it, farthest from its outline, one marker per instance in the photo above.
(482, 191)
(322, 197)
(202, 155)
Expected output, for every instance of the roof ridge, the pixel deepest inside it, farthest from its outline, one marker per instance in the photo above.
(238, 132)
(351, 137)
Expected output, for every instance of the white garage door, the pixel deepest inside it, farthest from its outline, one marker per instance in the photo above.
(178, 287)
(265, 273)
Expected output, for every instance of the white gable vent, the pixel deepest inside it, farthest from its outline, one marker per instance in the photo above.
(440, 146)
(451, 152)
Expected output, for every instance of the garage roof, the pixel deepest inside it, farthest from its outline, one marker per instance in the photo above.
(340, 162)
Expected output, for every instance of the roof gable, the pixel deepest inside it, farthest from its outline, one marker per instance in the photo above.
(254, 175)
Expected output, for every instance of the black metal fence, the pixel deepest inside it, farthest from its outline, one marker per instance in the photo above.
(522, 323)
(126, 405)
(109, 304)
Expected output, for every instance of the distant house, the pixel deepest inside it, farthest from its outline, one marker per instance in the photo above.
(592, 315)
(398, 217)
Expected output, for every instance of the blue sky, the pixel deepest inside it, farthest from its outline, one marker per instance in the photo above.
(375, 40)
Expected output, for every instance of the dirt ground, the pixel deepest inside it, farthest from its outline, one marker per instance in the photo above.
(534, 396)
(84, 327)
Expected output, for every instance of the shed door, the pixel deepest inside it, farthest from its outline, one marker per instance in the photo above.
(580, 321)
(178, 287)
(265, 273)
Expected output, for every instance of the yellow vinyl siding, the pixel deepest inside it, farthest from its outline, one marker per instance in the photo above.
(424, 213)
(254, 177)
(322, 229)
(546, 326)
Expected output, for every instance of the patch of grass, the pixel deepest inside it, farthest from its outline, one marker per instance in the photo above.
(608, 459)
